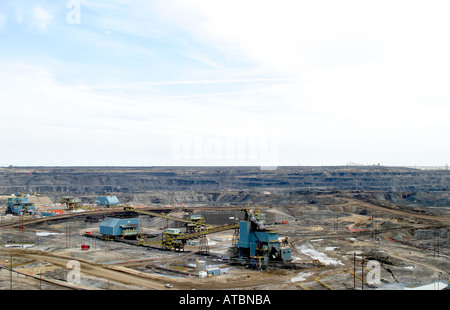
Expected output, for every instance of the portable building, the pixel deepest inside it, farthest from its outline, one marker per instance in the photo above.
(107, 201)
(112, 226)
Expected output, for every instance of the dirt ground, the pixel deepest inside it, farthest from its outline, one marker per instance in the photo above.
(329, 243)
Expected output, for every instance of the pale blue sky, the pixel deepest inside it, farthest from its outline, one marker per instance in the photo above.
(224, 82)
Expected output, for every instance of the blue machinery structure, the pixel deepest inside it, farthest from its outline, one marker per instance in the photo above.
(257, 245)
(19, 206)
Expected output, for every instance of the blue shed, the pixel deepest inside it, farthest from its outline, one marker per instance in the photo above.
(107, 201)
(215, 271)
(112, 226)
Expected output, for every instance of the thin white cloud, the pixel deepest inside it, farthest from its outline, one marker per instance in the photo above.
(145, 85)
(138, 18)
(202, 58)
(295, 36)
(94, 123)
(2, 20)
(358, 56)
(352, 81)
(19, 17)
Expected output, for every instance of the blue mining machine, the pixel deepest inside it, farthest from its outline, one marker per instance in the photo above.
(258, 246)
(19, 205)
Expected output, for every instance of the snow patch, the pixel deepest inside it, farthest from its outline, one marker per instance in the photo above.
(309, 250)
(45, 234)
(301, 276)
(330, 248)
(429, 287)
(18, 245)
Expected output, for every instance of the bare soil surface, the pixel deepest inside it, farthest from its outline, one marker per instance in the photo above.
(341, 223)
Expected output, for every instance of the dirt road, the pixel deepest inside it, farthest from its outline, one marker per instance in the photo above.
(118, 274)
(358, 203)
(146, 281)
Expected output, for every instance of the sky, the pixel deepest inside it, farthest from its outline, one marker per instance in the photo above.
(201, 83)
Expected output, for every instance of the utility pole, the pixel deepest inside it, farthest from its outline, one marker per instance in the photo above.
(373, 227)
(362, 273)
(67, 235)
(354, 270)
(69, 228)
(10, 270)
(438, 233)
(434, 244)
(21, 228)
(335, 220)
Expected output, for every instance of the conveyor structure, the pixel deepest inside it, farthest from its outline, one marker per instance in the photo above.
(254, 243)
(194, 222)
(172, 238)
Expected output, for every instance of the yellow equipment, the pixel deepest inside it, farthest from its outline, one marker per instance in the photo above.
(71, 203)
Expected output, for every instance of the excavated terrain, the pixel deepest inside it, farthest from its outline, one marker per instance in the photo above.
(335, 218)
(141, 179)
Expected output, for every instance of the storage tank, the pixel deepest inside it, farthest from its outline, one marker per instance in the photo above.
(200, 265)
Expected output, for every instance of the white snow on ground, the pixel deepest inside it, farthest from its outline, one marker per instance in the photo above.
(18, 245)
(45, 234)
(309, 250)
(301, 276)
(438, 285)
(330, 248)
(432, 286)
